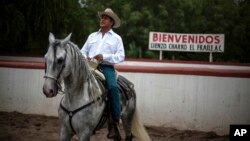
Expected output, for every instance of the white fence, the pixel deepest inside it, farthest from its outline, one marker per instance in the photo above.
(193, 102)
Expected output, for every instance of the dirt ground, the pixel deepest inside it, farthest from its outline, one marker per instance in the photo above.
(23, 127)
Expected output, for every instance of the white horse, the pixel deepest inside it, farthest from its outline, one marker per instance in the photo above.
(84, 102)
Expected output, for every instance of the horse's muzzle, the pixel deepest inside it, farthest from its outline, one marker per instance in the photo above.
(50, 88)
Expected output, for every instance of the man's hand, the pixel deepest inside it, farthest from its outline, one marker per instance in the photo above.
(99, 57)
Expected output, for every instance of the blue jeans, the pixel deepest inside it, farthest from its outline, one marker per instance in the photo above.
(113, 91)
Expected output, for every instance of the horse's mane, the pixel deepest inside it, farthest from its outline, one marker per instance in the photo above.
(81, 71)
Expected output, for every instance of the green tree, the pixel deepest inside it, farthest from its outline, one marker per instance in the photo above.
(25, 24)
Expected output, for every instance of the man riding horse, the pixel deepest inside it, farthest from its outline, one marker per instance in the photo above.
(83, 105)
(106, 47)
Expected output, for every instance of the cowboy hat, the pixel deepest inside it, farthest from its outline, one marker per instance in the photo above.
(109, 12)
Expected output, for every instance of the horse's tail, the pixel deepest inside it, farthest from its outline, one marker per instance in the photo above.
(138, 129)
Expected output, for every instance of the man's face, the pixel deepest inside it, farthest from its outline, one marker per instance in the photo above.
(106, 21)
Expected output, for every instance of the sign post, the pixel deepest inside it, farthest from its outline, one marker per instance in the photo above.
(160, 55)
(186, 42)
(210, 57)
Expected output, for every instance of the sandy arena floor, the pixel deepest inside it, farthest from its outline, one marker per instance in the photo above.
(24, 127)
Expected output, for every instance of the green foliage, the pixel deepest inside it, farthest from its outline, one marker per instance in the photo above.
(25, 24)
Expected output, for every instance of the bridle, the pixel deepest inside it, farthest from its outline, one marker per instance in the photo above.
(51, 77)
(58, 83)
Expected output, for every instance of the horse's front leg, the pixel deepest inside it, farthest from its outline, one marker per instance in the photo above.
(87, 139)
(65, 134)
(84, 135)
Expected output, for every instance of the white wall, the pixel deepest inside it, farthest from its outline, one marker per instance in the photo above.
(21, 90)
(192, 102)
(205, 103)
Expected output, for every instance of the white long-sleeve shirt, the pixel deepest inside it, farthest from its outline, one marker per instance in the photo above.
(110, 46)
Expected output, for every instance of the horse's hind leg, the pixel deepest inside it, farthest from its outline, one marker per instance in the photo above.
(127, 118)
(127, 125)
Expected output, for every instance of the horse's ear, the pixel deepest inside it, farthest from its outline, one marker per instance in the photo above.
(66, 39)
(51, 38)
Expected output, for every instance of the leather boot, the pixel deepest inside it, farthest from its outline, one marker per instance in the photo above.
(129, 138)
(114, 130)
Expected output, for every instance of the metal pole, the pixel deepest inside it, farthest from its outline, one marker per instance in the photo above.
(160, 56)
(210, 57)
